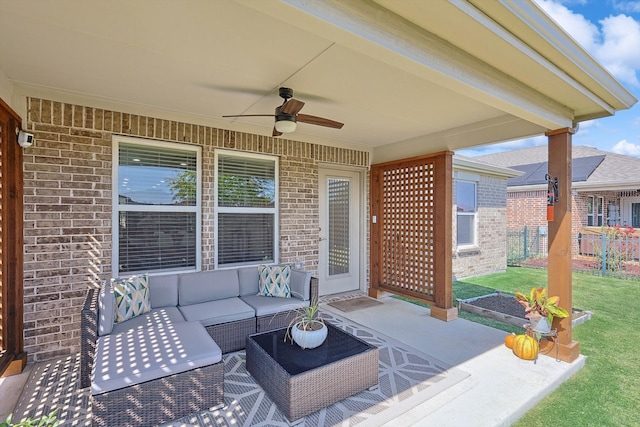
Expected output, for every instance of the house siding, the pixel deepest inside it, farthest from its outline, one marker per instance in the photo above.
(68, 206)
(489, 255)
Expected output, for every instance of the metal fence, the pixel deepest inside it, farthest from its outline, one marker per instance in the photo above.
(608, 252)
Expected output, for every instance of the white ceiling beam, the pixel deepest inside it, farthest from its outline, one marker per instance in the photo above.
(481, 133)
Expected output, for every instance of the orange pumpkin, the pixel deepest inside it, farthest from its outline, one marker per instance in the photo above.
(508, 340)
(525, 347)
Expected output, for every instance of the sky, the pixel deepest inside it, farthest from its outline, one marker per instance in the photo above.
(610, 31)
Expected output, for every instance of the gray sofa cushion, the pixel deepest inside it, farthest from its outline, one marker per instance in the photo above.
(151, 353)
(203, 286)
(248, 277)
(266, 305)
(300, 284)
(217, 312)
(155, 317)
(163, 291)
(106, 309)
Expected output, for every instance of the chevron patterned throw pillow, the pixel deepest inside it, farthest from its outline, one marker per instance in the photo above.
(274, 281)
(132, 296)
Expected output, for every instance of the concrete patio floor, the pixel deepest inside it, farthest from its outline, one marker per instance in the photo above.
(498, 391)
(500, 387)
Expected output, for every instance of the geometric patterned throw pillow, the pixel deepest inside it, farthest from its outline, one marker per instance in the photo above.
(132, 297)
(274, 281)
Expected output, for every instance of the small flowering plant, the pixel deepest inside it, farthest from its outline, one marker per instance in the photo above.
(538, 304)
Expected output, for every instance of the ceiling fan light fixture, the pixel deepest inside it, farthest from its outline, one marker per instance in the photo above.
(285, 126)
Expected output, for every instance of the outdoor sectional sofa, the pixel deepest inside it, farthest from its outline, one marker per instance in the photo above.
(167, 363)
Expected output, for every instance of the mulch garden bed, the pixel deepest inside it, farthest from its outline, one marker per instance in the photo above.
(506, 304)
(505, 308)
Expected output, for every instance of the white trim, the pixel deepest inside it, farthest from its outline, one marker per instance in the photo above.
(547, 29)
(470, 165)
(625, 211)
(581, 187)
(116, 139)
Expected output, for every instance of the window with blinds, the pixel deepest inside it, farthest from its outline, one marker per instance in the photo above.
(466, 205)
(246, 209)
(156, 206)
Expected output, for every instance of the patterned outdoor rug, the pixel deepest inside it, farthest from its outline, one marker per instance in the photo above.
(354, 304)
(407, 378)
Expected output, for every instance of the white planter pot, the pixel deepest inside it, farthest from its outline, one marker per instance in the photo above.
(309, 339)
(540, 324)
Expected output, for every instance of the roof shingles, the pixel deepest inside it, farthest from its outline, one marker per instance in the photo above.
(614, 170)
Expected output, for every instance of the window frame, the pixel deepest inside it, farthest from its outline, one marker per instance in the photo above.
(474, 215)
(117, 207)
(591, 203)
(600, 211)
(275, 210)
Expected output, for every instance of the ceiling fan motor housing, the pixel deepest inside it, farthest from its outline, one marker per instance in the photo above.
(284, 116)
(286, 93)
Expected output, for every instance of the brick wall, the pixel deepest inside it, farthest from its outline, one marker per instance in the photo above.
(68, 196)
(490, 255)
(530, 208)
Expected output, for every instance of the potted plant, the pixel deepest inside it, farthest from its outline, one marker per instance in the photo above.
(307, 328)
(540, 309)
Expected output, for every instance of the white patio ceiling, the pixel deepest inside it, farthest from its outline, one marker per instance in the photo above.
(406, 77)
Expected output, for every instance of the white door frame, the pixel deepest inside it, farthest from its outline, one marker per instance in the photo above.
(363, 226)
(625, 214)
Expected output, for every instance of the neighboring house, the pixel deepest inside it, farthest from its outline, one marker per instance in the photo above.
(480, 210)
(134, 168)
(605, 188)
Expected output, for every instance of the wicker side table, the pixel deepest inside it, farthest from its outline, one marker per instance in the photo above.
(301, 382)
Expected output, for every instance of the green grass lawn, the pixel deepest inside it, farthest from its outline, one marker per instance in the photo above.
(606, 392)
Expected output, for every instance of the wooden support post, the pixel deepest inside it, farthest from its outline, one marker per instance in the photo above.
(560, 259)
(11, 243)
(375, 249)
(443, 308)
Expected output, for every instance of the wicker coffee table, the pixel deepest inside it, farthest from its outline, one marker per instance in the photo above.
(301, 382)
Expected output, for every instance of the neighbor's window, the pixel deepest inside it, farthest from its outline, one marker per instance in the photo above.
(156, 206)
(466, 202)
(246, 194)
(600, 210)
(590, 203)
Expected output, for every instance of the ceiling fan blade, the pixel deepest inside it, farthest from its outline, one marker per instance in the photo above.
(320, 121)
(250, 115)
(292, 106)
(275, 132)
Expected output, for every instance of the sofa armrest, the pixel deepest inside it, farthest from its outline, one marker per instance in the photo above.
(301, 285)
(88, 336)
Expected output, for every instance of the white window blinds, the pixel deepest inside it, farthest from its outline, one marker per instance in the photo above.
(157, 208)
(246, 209)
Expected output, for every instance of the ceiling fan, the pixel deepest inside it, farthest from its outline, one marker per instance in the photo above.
(287, 115)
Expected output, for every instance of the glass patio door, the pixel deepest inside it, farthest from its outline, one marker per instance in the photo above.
(339, 246)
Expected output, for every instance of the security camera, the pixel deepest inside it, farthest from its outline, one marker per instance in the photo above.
(25, 139)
